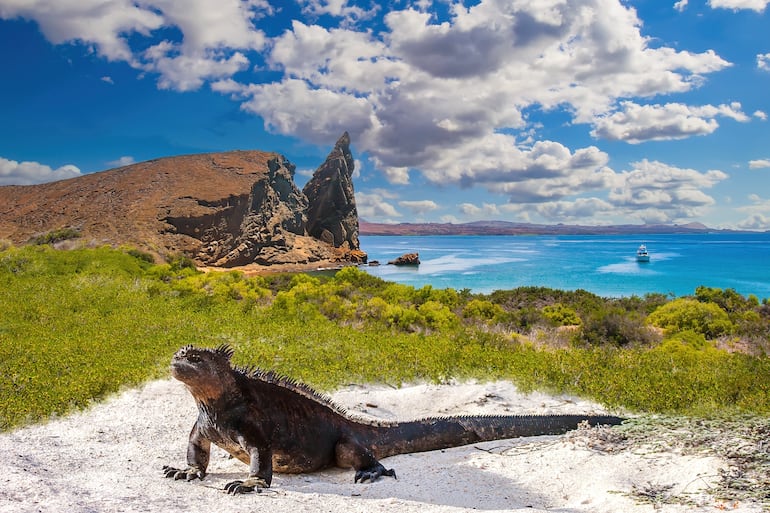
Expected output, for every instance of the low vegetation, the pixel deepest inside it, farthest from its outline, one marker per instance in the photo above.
(77, 325)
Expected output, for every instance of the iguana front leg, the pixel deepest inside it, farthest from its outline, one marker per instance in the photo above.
(198, 453)
(260, 472)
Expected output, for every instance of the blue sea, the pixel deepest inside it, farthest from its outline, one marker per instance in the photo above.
(603, 264)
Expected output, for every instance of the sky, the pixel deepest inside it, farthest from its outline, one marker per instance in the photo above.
(589, 112)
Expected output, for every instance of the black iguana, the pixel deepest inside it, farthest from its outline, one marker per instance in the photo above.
(272, 423)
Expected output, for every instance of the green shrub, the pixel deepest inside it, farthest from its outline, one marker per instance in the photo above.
(55, 236)
(561, 315)
(614, 328)
(437, 316)
(482, 310)
(689, 314)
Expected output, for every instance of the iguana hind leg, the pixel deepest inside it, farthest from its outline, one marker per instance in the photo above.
(350, 453)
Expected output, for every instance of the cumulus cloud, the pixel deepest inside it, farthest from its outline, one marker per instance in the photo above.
(338, 8)
(658, 192)
(755, 222)
(420, 206)
(376, 205)
(443, 97)
(546, 171)
(214, 33)
(681, 5)
(125, 160)
(754, 5)
(760, 115)
(30, 173)
(758, 212)
(635, 123)
(759, 164)
(763, 61)
(485, 211)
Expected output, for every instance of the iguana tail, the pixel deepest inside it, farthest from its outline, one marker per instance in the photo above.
(443, 432)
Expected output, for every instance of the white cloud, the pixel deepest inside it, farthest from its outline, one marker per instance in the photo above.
(215, 33)
(419, 207)
(658, 192)
(755, 222)
(763, 61)
(754, 5)
(758, 214)
(485, 211)
(316, 115)
(440, 97)
(108, 80)
(337, 8)
(103, 25)
(759, 164)
(760, 115)
(125, 160)
(30, 173)
(681, 5)
(638, 123)
(375, 205)
(546, 171)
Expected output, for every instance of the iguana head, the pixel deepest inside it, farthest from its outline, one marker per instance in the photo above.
(206, 372)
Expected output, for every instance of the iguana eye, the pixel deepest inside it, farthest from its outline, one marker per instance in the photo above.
(194, 358)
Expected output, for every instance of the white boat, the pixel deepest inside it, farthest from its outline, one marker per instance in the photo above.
(642, 255)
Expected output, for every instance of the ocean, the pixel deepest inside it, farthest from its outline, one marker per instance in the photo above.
(602, 264)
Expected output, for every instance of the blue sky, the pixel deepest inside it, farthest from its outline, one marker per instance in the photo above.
(545, 111)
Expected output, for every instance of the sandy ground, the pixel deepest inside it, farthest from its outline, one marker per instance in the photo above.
(109, 458)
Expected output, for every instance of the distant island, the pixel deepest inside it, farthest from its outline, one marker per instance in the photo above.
(509, 228)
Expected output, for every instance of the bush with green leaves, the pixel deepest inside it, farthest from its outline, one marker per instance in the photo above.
(684, 314)
(561, 315)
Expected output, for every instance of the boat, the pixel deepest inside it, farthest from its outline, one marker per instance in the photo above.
(642, 255)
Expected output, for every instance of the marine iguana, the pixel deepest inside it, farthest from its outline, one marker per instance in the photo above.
(273, 423)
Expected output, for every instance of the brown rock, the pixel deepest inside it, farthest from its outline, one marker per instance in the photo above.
(406, 259)
(331, 214)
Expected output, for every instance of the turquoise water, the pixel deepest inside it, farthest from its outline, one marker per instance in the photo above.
(603, 264)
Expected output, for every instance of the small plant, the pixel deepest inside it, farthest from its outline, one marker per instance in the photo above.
(55, 236)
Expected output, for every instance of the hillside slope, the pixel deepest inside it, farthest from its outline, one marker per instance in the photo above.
(224, 209)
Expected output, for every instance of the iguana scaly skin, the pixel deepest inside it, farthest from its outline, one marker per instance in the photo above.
(272, 423)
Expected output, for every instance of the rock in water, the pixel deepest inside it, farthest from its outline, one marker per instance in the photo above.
(331, 214)
(406, 259)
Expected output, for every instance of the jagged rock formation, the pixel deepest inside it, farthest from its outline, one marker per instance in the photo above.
(332, 216)
(222, 209)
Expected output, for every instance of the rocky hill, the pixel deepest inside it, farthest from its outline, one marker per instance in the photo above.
(221, 209)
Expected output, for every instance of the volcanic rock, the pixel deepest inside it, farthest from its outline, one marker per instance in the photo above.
(331, 215)
(406, 259)
(221, 209)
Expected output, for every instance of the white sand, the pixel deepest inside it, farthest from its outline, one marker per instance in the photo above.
(109, 458)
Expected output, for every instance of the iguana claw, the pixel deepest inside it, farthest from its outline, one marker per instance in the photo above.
(188, 474)
(373, 473)
(249, 485)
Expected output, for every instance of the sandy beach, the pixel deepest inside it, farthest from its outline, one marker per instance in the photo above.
(109, 458)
